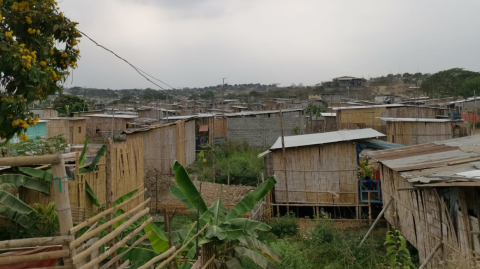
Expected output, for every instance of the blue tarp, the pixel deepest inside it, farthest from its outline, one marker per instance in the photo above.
(375, 144)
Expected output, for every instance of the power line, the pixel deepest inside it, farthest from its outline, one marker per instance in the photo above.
(155, 78)
(134, 67)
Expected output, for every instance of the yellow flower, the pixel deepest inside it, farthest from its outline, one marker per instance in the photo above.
(15, 43)
(22, 45)
(1, 17)
(38, 32)
(51, 52)
(9, 35)
(4, 99)
(43, 63)
(28, 19)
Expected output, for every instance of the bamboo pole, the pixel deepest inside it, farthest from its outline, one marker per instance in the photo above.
(35, 242)
(56, 267)
(109, 236)
(35, 257)
(124, 265)
(157, 258)
(119, 256)
(109, 223)
(208, 262)
(62, 201)
(95, 218)
(376, 221)
(113, 249)
(182, 248)
(30, 160)
(430, 256)
(284, 158)
(369, 209)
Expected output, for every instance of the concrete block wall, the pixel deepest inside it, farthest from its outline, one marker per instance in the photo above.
(261, 132)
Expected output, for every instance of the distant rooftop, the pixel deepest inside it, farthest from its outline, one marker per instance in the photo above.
(120, 116)
(415, 119)
(325, 138)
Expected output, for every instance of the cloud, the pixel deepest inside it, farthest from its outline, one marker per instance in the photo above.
(195, 43)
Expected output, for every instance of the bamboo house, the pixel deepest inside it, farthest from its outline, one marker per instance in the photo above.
(414, 131)
(321, 169)
(431, 193)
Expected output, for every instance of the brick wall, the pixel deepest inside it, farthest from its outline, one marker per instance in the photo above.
(261, 132)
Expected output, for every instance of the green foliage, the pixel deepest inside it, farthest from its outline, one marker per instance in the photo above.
(295, 253)
(91, 195)
(451, 82)
(226, 230)
(365, 170)
(152, 95)
(285, 226)
(93, 165)
(397, 252)
(238, 160)
(471, 87)
(31, 62)
(66, 104)
(38, 146)
(315, 109)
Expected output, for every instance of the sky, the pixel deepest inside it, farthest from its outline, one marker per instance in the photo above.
(196, 43)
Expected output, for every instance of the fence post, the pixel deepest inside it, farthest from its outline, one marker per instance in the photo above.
(62, 201)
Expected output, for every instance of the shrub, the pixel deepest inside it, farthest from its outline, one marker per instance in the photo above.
(295, 254)
(285, 226)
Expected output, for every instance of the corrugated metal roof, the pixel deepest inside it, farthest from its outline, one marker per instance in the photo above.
(443, 161)
(415, 119)
(328, 114)
(372, 106)
(120, 116)
(250, 113)
(324, 138)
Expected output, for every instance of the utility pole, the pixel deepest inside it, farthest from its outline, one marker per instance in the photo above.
(166, 105)
(223, 97)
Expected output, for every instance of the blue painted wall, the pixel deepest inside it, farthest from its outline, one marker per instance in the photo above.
(33, 131)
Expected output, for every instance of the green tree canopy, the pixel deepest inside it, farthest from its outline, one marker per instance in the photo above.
(448, 83)
(151, 94)
(74, 103)
(37, 48)
(471, 87)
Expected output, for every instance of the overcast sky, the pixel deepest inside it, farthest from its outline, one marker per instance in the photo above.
(194, 43)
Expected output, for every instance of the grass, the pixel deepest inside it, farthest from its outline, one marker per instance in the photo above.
(237, 160)
(325, 246)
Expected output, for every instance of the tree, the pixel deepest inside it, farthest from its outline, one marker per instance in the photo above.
(37, 48)
(151, 95)
(66, 104)
(471, 87)
(254, 94)
(447, 83)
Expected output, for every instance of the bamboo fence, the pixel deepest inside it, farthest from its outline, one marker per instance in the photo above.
(418, 132)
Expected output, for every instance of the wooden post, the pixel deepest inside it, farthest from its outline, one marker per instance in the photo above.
(228, 179)
(156, 192)
(369, 210)
(430, 256)
(376, 221)
(284, 158)
(62, 201)
(109, 166)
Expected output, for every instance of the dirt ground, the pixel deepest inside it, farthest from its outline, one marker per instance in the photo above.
(210, 191)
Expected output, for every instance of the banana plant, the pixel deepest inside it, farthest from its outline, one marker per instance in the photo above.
(11, 206)
(232, 236)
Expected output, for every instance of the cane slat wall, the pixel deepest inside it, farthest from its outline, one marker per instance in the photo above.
(127, 175)
(415, 132)
(317, 174)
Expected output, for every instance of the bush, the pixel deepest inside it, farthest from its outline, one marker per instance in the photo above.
(294, 253)
(285, 226)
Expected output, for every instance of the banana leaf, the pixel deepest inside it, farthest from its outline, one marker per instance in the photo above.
(234, 263)
(260, 260)
(186, 185)
(177, 193)
(93, 165)
(248, 202)
(122, 198)
(137, 254)
(91, 195)
(47, 176)
(215, 231)
(157, 238)
(15, 216)
(14, 203)
(6, 186)
(253, 243)
(25, 181)
(83, 158)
